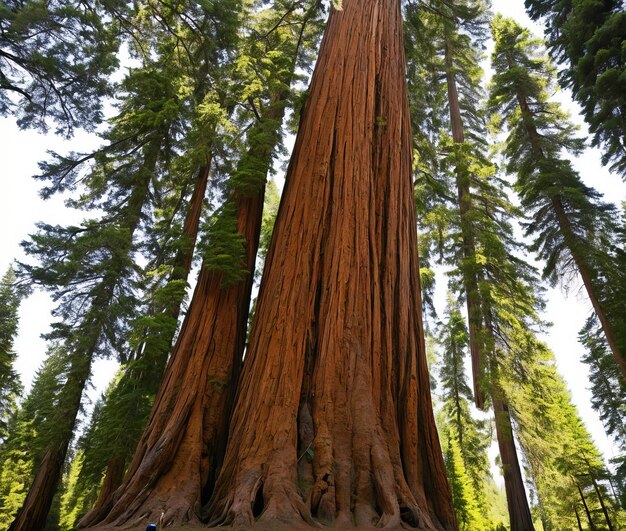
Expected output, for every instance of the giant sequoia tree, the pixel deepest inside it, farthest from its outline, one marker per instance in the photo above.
(336, 368)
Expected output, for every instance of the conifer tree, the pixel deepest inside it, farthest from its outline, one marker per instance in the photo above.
(55, 60)
(488, 267)
(91, 269)
(30, 431)
(10, 386)
(585, 37)
(572, 227)
(467, 438)
(564, 463)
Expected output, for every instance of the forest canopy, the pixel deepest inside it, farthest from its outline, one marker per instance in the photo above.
(341, 333)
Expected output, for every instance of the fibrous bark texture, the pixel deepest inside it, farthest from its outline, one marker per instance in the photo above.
(154, 352)
(333, 421)
(180, 447)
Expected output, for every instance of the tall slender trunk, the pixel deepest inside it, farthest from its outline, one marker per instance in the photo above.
(34, 511)
(84, 343)
(470, 279)
(155, 353)
(576, 248)
(605, 511)
(336, 369)
(580, 525)
(592, 526)
(181, 449)
(517, 501)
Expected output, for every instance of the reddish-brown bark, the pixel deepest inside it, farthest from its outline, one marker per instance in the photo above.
(336, 371)
(34, 511)
(519, 510)
(145, 379)
(470, 279)
(180, 446)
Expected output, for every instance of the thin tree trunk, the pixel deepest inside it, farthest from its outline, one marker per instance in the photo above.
(574, 246)
(580, 525)
(34, 511)
(470, 279)
(517, 502)
(336, 369)
(592, 526)
(519, 510)
(601, 500)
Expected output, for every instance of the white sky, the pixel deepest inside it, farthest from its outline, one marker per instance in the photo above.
(20, 208)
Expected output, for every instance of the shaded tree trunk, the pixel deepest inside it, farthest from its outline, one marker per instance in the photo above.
(517, 501)
(34, 511)
(333, 419)
(155, 351)
(580, 525)
(605, 511)
(592, 526)
(470, 279)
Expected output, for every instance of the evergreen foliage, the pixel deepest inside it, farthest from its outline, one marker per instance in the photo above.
(467, 438)
(55, 61)
(573, 230)
(585, 37)
(10, 385)
(203, 107)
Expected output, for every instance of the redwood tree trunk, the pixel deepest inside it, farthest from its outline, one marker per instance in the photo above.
(333, 419)
(470, 279)
(519, 511)
(181, 449)
(158, 355)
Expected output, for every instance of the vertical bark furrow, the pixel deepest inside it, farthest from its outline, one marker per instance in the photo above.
(341, 276)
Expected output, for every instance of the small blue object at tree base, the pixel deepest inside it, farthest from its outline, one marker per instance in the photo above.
(151, 527)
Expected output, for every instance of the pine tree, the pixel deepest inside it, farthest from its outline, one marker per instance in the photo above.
(91, 269)
(497, 285)
(30, 431)
(467, 438)
(586, 38)
(571, 226)
(55, 60)
(563, 461)
(10, 385)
